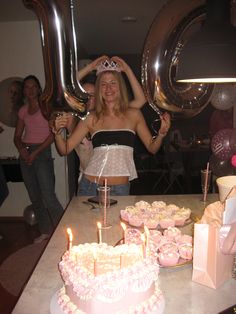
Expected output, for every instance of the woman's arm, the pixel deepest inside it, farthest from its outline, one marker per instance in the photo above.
(152, 144)
(139, 98)
(90, 67)
(65, 146)
(20, 126)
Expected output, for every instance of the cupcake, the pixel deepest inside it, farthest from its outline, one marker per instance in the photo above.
(124, 215)
(179, 220)
(185, 239)
(168, 247)
(186, 251)
(151, 223)
(172, 232)
(167, 222)
(133, 236)
(168, 258)
(135, 220)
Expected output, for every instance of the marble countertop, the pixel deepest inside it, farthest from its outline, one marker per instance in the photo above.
(181, 294)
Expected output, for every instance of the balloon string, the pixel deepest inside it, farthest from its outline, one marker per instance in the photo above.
(66, 165)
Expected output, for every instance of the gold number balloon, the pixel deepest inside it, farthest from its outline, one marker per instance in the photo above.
(170, 30)
(58, 29)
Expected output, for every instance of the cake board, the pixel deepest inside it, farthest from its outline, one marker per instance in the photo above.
(56, 309)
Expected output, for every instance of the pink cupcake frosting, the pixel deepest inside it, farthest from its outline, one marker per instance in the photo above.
(168, 247)
(186, 251)
(172, 232)
(168, 258)
(167, 222)
(185, 239)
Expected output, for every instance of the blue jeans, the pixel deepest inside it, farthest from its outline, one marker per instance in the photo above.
(89, 188)
(39, 179)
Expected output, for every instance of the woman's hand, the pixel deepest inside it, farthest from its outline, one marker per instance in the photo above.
(165, 124)
(94, 64)
(122, 64)
(62, 121)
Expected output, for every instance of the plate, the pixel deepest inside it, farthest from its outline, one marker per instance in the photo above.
(187, 222)
(181, 263)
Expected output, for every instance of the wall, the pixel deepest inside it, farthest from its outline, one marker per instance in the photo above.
(21, 55)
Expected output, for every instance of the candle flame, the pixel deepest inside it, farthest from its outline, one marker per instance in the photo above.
(70, 234)
(99, 225)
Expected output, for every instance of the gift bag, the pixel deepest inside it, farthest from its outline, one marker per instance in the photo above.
(210, 266)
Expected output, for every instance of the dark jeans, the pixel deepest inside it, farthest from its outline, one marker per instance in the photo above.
(89, 188)
(39, 179)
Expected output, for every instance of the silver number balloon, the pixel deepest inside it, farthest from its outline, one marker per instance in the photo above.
(171, 28)
(58, 29)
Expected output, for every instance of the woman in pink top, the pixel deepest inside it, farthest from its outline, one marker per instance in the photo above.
(33, 140)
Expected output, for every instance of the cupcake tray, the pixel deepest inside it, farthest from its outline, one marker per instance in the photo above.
(187, 222)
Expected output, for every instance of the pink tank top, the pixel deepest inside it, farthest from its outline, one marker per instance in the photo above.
(36, 126)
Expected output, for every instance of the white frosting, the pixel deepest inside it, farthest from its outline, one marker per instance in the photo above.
(117, 287)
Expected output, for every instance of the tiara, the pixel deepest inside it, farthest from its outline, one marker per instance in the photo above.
(108, 66)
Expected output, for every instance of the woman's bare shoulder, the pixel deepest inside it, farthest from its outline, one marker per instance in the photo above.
(133, 112)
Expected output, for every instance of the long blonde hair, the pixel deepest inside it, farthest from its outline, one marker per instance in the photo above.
(122, 105)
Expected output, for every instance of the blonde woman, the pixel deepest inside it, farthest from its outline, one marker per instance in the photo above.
(113, 126)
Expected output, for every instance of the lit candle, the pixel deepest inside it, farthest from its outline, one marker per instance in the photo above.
(123, 225)
(99, 225)
(143, 245)
(95, 266)
(122, 260)
(70, 238)
(147, 236)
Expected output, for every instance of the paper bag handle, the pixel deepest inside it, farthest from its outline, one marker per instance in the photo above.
(233, 187)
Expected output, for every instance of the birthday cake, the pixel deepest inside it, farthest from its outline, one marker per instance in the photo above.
(104, 279)
(155, 215)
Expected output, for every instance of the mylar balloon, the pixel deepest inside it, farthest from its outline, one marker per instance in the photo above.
(58, 28)
(223, 96)
(220, 144)
(172, 27)
(221, 167)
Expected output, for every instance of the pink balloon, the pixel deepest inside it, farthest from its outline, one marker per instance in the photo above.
(220, 144)
(233, 161)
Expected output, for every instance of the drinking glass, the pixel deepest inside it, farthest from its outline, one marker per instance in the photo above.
(104, 205)
(205, 182)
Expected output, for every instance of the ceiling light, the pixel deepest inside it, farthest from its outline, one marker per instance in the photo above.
(210, 55)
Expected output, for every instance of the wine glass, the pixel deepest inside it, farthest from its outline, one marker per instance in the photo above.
(205, 182)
